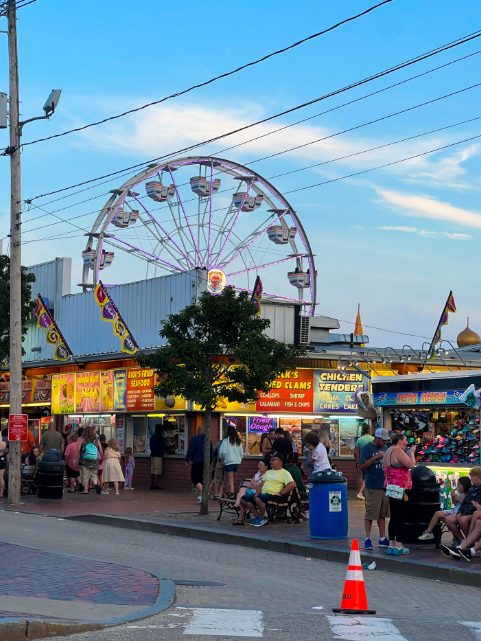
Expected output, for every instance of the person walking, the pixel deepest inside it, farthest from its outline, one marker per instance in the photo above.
(195, 458)
(397, 478)
(230, 454)
(89, 458)
(377, 504)
(157, 451)
(112, 470)
(365, 438)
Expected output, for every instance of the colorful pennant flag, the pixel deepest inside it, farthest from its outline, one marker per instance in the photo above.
(111, 314)
(62, 351)
(450, 306)
(257, 295)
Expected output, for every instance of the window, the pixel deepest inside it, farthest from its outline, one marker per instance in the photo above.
(103, 423)
(174, 433)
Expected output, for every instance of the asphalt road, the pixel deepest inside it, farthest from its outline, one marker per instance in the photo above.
(227, 592)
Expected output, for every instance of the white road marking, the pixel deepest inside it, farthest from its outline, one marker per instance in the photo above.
(361, 628)
(317, 607)
(226, 623)
(475, 627)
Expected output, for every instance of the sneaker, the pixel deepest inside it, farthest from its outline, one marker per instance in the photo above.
(98, 489)
(104, 492)
(255, 522)
(426, 536)
(127, 488)
(390, 550)
(361, 497)
(260, 522)
(199, 500)
(368, 544)
(465, 554)
(447, 551)
(399, 551)
(384, 543)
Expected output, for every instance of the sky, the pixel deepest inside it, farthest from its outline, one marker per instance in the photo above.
(396, 240)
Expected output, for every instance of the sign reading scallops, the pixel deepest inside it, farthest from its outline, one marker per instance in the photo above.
(216, 281)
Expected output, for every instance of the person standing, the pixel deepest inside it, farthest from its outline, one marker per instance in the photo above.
(365, 438)
(230, 454)
(112, 471)
(28, 445)
(51, 439)
(377, 504)
(157, 451)
(89, 458)
(267, 441)
(72, 461)
(317, 453)
(397, 478)
(3, 465)
(195, 458)
(129, 468)
(281, 444)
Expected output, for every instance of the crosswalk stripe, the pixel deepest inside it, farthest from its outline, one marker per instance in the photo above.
(227, 623)
(359, 628)
(475, 626)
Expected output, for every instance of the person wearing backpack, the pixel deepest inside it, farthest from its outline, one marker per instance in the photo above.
(89, 459)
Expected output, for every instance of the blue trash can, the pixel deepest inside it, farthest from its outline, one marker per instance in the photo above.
(328, 516)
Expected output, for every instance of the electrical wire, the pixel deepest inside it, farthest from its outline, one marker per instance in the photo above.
(335, 92)
(205, 83)
(354, 154)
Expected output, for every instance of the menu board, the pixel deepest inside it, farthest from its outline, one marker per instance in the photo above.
(290, 392)
(107, 391)
(63, 394)
(140, 390)
(120, 390)
(87, 392)
(333, 390)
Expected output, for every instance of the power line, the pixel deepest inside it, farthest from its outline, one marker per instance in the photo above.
(383, 329)
(382, 118)
(335, 92)
(215, 78)
(387, 164)
(347, 156)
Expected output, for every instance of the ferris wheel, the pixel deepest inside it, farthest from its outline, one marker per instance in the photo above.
(202, 212)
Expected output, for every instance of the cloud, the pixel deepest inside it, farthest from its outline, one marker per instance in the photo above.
(426, 233)
(430, 208)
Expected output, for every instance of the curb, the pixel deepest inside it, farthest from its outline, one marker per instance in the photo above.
(406, 567)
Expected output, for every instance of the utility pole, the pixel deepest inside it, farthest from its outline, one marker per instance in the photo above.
(15, 361)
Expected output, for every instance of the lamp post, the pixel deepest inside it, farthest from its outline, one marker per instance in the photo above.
(15, 130)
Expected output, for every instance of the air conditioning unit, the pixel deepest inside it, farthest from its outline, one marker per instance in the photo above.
(304, 330)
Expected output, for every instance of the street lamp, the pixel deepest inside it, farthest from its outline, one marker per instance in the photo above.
(15, 129)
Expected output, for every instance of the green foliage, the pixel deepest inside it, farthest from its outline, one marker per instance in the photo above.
(217, 348)
(27, 280)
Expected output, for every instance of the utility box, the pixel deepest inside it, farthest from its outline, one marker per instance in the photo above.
(3, 110)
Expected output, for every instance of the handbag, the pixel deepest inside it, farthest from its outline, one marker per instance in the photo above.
(395, 491)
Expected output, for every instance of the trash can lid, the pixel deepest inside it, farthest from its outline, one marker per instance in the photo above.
(52, 456)
(327, 476)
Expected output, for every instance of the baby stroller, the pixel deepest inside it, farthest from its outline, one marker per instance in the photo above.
(28, 482)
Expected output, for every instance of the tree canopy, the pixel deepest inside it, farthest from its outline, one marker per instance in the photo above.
(27, 280)
(217, 349)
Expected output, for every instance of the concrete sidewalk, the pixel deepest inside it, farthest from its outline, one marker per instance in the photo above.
(42, 593)
(177, 514)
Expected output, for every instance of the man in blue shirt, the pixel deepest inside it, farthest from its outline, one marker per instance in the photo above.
(377, 504)
(195, 458)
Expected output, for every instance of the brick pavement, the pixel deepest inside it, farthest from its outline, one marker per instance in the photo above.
(33, 573)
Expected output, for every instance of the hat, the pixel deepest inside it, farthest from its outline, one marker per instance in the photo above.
(277, 455)
(382, 433)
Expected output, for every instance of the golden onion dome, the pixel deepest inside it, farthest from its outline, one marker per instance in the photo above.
(467, 337)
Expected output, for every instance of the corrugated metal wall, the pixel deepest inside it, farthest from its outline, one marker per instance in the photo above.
(142, 304)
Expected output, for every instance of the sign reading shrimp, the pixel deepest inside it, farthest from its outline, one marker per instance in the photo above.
(292, 391)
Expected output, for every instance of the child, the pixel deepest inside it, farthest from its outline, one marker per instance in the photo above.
(129, 468)
(112, 471)
(457, 496)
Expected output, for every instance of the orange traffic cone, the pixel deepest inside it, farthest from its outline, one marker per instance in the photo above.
(354, 599)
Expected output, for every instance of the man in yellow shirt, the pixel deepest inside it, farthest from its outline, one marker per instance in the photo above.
(277, 482)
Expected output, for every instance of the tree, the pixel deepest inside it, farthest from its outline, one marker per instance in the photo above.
(217, 349)
(27, 280)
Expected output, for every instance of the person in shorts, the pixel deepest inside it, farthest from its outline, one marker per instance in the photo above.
(377, 504)
(157, 450)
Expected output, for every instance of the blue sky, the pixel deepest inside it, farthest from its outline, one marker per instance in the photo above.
(395, 240)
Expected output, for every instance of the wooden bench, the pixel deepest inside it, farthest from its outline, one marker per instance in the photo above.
(227, 502)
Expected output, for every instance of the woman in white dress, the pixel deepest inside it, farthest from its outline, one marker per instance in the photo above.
(112, 472)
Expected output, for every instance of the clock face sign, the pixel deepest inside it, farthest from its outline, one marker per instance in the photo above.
(216, 281)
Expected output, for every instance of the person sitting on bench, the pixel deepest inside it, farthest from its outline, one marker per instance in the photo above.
(277, 483)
